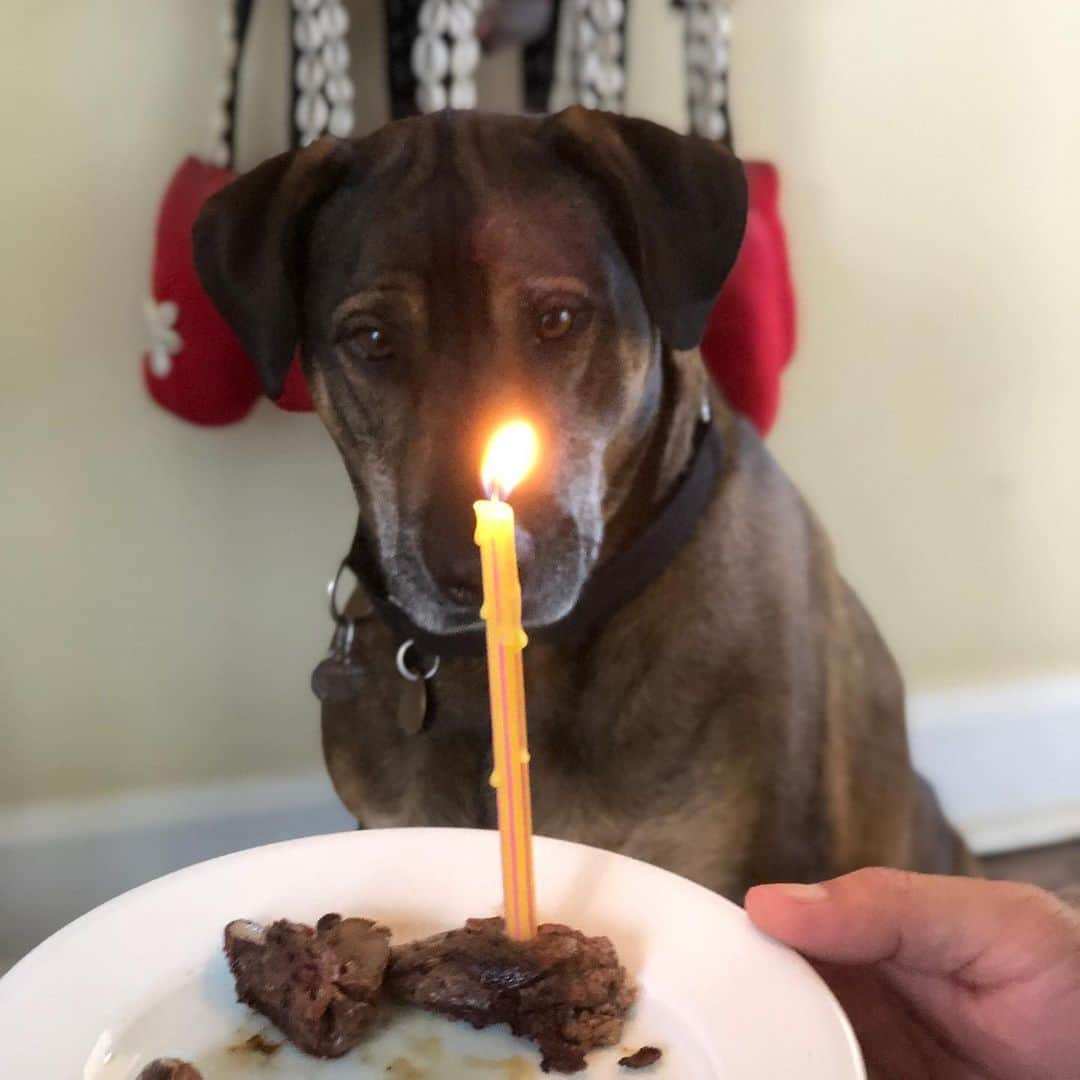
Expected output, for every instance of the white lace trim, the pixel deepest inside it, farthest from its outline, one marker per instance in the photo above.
(708, 39)
(219, 153)
(324, 88)
(599, 74)
(165, 342)
(445, 55)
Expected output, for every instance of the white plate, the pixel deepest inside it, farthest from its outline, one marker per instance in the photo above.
(143, 976)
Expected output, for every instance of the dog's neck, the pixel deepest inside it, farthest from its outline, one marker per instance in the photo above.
(660, 452)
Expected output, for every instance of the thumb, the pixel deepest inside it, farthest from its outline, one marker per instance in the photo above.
(991, 931)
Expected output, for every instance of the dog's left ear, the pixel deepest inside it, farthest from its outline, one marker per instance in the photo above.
(677, 204)
(249, 247)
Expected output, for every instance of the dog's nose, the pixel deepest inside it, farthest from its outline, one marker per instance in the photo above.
(455, 572)
(448, 550)
(453, 559)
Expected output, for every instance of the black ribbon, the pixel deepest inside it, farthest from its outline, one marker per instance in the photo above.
(242, 14)
(242, 20)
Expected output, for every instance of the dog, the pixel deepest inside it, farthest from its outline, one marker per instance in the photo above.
(739, 719)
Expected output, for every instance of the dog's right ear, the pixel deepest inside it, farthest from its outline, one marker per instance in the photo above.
(249, 243)
(677, 205)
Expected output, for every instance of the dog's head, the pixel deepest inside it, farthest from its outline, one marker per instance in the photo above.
(450, 272)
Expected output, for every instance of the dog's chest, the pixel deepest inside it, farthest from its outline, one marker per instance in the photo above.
(389, 773)
(604, 740)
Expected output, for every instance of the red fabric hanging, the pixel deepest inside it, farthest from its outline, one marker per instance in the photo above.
(750, 337)
(196, 367)
(203, 374)
(295, 396)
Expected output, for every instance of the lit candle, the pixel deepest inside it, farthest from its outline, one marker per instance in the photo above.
(510, 455)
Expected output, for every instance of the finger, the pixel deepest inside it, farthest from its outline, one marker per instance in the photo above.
(896, 1042)
(984, 931)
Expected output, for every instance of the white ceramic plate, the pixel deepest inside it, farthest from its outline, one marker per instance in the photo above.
(143, 976)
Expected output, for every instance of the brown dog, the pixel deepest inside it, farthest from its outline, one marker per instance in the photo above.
(737, 721)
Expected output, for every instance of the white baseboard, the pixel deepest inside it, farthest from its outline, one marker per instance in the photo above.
(59, 859)
(1005, 760)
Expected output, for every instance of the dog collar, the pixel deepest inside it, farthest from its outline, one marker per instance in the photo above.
(612, 585)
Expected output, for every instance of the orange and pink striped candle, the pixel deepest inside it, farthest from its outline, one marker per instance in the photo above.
(510, 455)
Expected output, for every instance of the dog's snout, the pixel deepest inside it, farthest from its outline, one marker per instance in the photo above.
(451, 556)
(455, 571)
(448, 549)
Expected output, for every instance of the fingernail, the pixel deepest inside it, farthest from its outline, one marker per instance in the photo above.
(805, 894)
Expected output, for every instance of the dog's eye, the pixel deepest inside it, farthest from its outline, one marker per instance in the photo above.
(555, 323)
(366, 343)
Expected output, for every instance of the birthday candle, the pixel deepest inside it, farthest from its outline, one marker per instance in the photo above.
(509, 457)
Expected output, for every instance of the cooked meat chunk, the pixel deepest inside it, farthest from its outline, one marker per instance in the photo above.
(641, 1059)
(169, 1069)
(320, 986)
(565, 991)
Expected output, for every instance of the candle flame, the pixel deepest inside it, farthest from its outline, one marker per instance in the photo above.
(511, 453)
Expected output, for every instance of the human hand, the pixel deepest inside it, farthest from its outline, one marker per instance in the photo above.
(943, 978)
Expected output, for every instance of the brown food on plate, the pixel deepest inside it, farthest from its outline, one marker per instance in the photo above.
(257, 1044)
(320, 986)
(565, 991)
(641, 1059)
(169, 1069)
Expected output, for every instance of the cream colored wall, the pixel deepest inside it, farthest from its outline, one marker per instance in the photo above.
(932, 158)
(162, 585)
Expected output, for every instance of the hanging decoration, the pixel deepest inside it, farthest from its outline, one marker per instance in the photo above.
(401, 19)
(750, 336)
(234, 24)
(538, 63)
(708, 31)
(529, 24)
(504, 24)
(194, 365)
(445, 55)
(324, 88)
(196, 368)
(599, 75)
